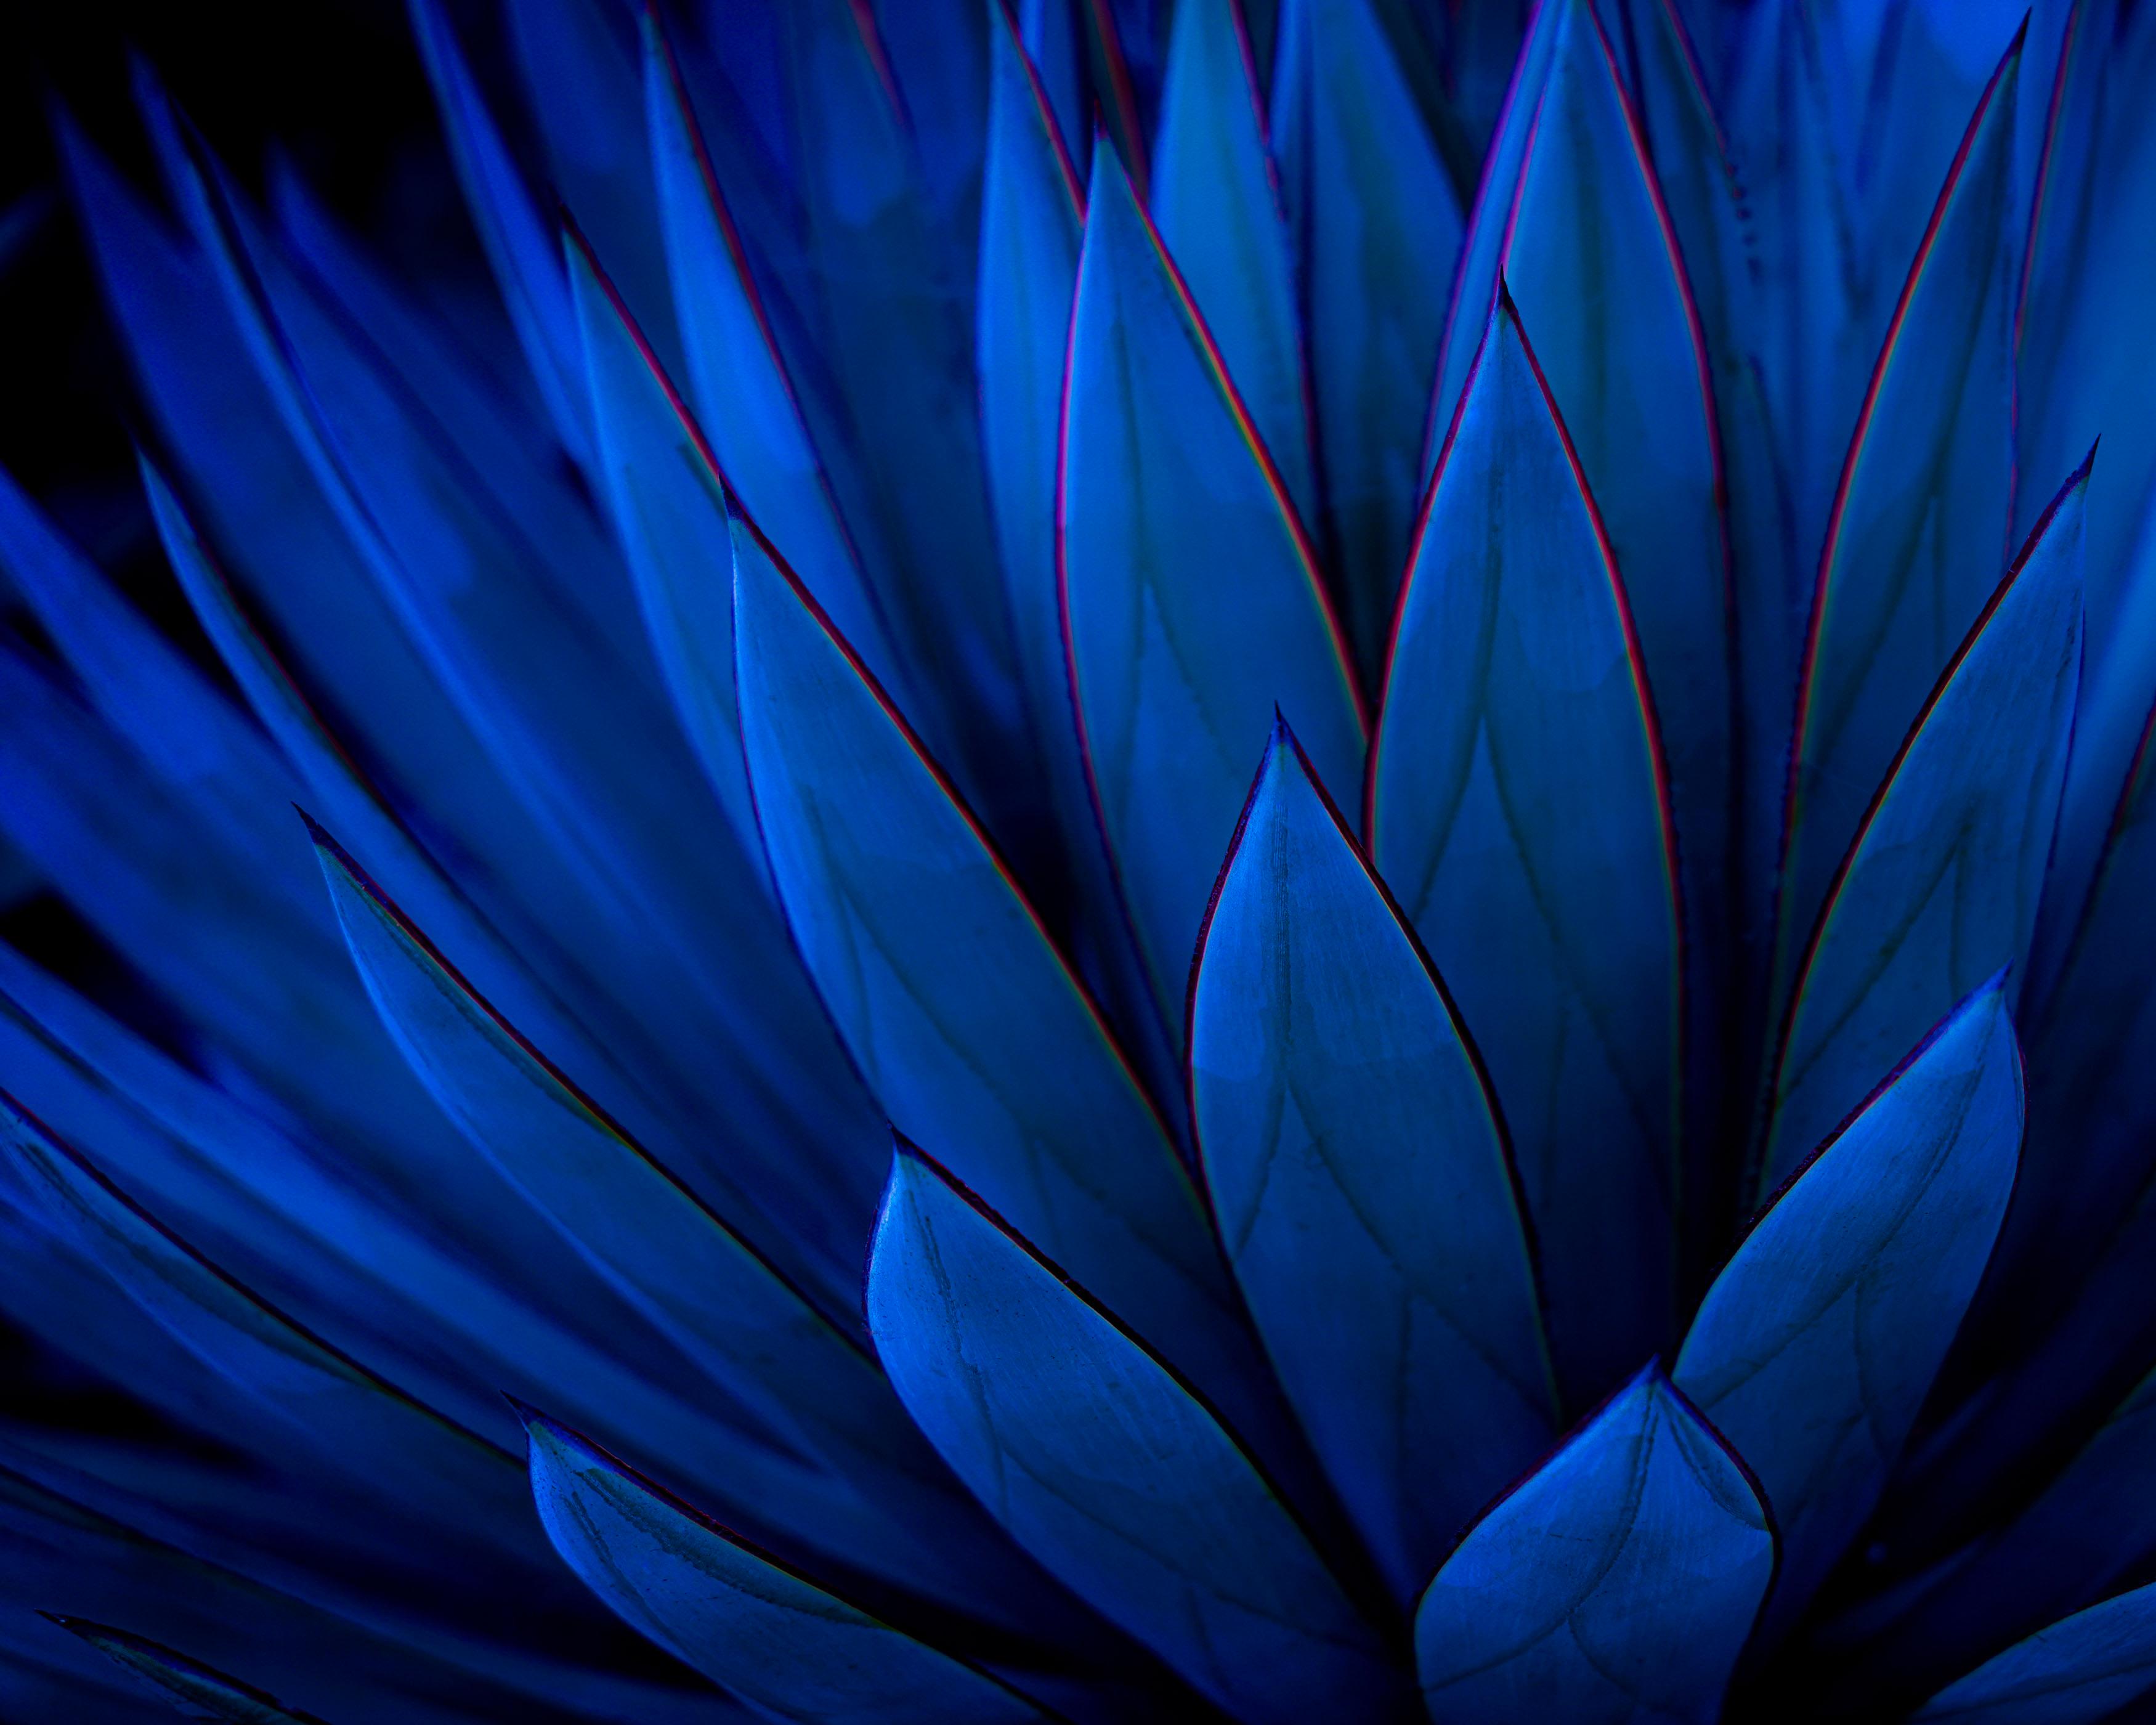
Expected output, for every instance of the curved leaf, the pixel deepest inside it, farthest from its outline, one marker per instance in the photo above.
(1104, 1466)
(1360, 1175)
(1939, 888)
(194, 1688)
(1032, 217)
(1617, 1582)
(669, 512)
(1920, 517)
(783, 1368)
(1593, 265)
(1813, 1350)
(1175, 673)
(526, 266)
(735, 370)
(1213, 193)
(1377, 227)
(2078, 1671)
(961, 1014)
(1515, 811)
(744, 1619)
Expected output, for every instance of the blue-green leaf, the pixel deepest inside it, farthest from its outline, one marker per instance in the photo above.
(1359, 1173)
(2078, 1671)
(963, 1017)
(784, 1369)
(1939, 888)
(1032, 218)
(1593, 265)
(199, 1691)
(750, 1624)
(735, 374)
(1516, 812)
(1920, 517)
(1177, 673)
(1104, 1468)
(1377, 227)
(1813, 1350)
(347, 1419)
(670, 513)
(1214, 195)
(1617, 1582)
(526, 266)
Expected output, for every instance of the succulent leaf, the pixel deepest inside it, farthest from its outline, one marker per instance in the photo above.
(1360, 1178)
(1516, 811)
(1104, 1466)
(1617, 1582)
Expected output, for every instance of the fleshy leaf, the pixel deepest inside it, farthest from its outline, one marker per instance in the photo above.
(1359, 1173)
(1940, 885)
(1176, 672)
(196, 1689)
(1032, 217)
(1618, 1582)
(1843, 1297)
(526, 265)
(670, 511)
(781, 1364)
(1593, 265)
(963, 1017)
(737, 375)
(1920, 515)
(2080, 1669)
(1516, 812)
(1214, 195)
(744, 1619)
(1104, 1468)
(1377, 229)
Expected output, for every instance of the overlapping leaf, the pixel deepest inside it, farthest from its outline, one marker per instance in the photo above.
(1359, 1175)
(1175, 671)
(1843, 1299)
(961, 1015)
(1919, 518)
(1939, 888)
(784, 1645)
(1103, 1465)
(1516, 812)
(1618, 1581)
(1377, 228)
(1213, 193)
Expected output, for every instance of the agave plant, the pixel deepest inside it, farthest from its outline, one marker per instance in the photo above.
(1370, 732)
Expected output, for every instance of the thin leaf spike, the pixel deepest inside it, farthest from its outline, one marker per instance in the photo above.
(2076, 1671)
(1033, 215)
(1516, 810)
(669, 510)
(1591, 263)
(1615, 1584)
(776, 1361)
(1844, 1295)
(1214, 195)
(199, 1691)
(518, 247)
(736, 376)
(1919, 520)
(1939, 888)
(1377, 227)
(1359, 1172)
(745, 1620)
(1191, 603)
(1106, 1467)
(961, 1016)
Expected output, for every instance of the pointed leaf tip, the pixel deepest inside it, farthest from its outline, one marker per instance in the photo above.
(1619, 1579)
